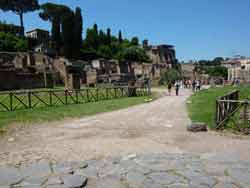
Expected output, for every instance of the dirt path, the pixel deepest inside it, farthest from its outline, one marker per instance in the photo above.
(156, 127)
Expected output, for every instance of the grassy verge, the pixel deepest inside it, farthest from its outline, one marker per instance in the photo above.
(47, 114)
(201, 107)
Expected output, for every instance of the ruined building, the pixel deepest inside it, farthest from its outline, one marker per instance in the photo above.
(162, 56)
(25, 71)
(238, 69)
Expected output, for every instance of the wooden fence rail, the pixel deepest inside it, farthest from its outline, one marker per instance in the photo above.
(12, 101)
(226, 108)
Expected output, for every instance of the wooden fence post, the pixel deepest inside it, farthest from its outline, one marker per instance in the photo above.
(77, 100)
(97, 94)
(66, 96)
(29, 100)
(87, 95)
(11, 101)
(50, 98)
(245, 113)
(107, 94)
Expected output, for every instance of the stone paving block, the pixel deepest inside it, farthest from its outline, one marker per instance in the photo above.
(9, 176)
(135, 178)
(54, 180)
(205, 181)
(41, 169)
(35, 181)
(109, 182)
(62, 168)
(165, 178)
(225, 185)
(74, 181)
(240, 175)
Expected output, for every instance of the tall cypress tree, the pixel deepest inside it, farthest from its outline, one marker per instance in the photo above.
(95, 28)
(78, 24)
(56, 34)
(120, 37)
(67, 34)
(109, 36)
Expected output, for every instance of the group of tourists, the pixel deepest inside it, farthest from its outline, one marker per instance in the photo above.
(177, 84)
(195, 85)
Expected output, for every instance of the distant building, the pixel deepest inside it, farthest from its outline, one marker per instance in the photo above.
(39, 41)
(188, 71)
(39, 35)
(238, 68)
(161, 54)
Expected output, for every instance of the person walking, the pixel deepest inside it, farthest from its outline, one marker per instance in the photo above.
(194, 85)
(177, 88)
(169, 88)
(198, 85)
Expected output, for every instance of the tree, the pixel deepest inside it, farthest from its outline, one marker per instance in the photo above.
(77, 32)
(170, 75)
(92, 39)
(108, 36)
(102, 37)
(134, 54)
(54, 13)
(11, 43)
(105, 52)
(135, 41)
(120, 37)
(95, 27)
(19, 7)
(67, 34)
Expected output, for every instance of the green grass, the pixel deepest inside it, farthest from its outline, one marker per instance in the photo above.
(47, 114)
(202, 106)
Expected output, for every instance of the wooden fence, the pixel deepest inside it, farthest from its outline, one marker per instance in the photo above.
(226, 108)
(20, 100)
(229, 107)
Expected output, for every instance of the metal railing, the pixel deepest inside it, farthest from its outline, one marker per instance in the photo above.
(21, 100)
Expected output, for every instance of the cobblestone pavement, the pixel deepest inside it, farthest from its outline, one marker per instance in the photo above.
(143, 171)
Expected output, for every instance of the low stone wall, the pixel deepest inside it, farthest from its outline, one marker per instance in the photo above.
(11, 80)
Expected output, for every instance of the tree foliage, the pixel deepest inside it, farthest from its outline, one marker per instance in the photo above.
(67, 34)
(120, 37)
(12, 43)
(105, 45)
(212, 67)
(170, 75)
(54, 13)
(78, 27)
(135, 41)
(67, 28)
(19, 7)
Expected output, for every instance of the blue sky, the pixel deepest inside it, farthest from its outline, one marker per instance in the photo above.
(200, 29)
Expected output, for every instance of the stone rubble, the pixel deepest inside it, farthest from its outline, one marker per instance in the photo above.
(137, 171)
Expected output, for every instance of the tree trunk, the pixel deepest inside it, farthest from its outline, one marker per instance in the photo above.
(21, 21)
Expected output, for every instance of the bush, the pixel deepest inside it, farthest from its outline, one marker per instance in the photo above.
(11, 43)
(170, 75)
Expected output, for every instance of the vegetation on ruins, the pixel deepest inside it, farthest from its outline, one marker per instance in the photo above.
(12, 43)
(99, 44)
(19, 7)
(66, 30)
(9, 28)
(212, 67)
(170, 75)
(206, 100)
